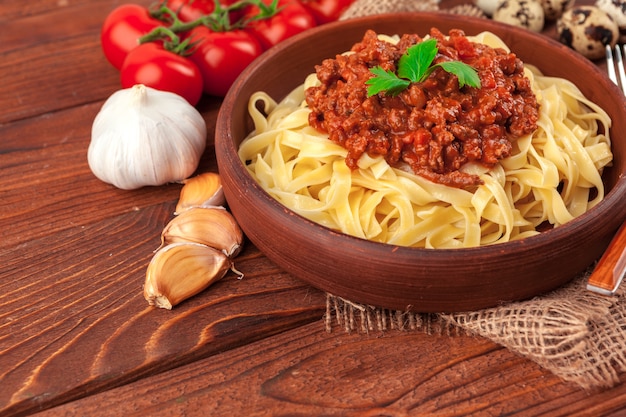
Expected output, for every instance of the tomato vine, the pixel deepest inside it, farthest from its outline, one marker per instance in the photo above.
(211, 34)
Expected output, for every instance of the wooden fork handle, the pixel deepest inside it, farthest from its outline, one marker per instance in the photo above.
(609, 273)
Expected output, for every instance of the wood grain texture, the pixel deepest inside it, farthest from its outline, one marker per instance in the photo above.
(73, 318)
(12, 11)
(308, 372)
(76, 333)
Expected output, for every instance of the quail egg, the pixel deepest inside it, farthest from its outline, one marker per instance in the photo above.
(487, 6)
(587, 29)
(617, 10)
(553, 9)
(527, 14)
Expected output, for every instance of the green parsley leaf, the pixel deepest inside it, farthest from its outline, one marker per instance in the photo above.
(415, 66)
(466, 74)
(385, 81)
(416, 60)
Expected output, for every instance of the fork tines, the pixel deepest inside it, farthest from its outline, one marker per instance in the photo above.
(614, 60)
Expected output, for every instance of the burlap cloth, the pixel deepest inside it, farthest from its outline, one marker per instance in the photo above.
(574, 333)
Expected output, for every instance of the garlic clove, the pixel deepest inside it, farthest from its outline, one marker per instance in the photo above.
(203, 190)
(182, 270)
(211, 226)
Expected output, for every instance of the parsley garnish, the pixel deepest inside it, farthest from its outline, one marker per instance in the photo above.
(414, 67)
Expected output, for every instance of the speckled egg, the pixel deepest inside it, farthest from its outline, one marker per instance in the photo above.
(587, 29)
(527, 14)
(487, 6)
(553, 9)
(617, 10)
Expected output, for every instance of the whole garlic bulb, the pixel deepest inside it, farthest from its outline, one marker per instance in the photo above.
(143, 136)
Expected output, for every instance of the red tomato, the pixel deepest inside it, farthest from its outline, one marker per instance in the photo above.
(151, 65)
(325, 11)
(291, 19)
(222, 56)
(121, 30)
(190, 10)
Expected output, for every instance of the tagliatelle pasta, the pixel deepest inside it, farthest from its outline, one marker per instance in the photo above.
(552, 175)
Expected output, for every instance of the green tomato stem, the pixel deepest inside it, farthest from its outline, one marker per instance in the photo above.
(216, 21)
(160, 33)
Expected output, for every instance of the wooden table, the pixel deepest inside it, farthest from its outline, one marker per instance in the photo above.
(77, 337)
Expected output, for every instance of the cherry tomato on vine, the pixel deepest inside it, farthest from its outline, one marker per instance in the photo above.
(222, 56)
(291, 19)
(325, 11)
(122, 29)
(190, 10)
(150, 64)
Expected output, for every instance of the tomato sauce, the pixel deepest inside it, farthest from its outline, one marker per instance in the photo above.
(433, 127)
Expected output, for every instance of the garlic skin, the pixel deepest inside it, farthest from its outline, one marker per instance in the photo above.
(203, 190)
(143, 136)
(211, 226)
(182, 270)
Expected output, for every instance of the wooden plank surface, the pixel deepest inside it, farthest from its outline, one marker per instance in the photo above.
(51, 57)
(308, 372)
(75, 332)
(74, 321)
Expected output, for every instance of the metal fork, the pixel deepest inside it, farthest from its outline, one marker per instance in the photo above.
(614, 60)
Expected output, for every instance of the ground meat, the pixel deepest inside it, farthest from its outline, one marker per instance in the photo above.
(433, 127)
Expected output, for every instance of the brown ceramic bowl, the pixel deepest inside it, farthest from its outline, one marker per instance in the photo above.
(424, 280)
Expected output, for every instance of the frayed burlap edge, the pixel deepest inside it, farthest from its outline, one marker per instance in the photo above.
(361, 318)
(371, 7)
(574, 333)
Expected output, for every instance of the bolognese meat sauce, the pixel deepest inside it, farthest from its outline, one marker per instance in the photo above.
(434, 126)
